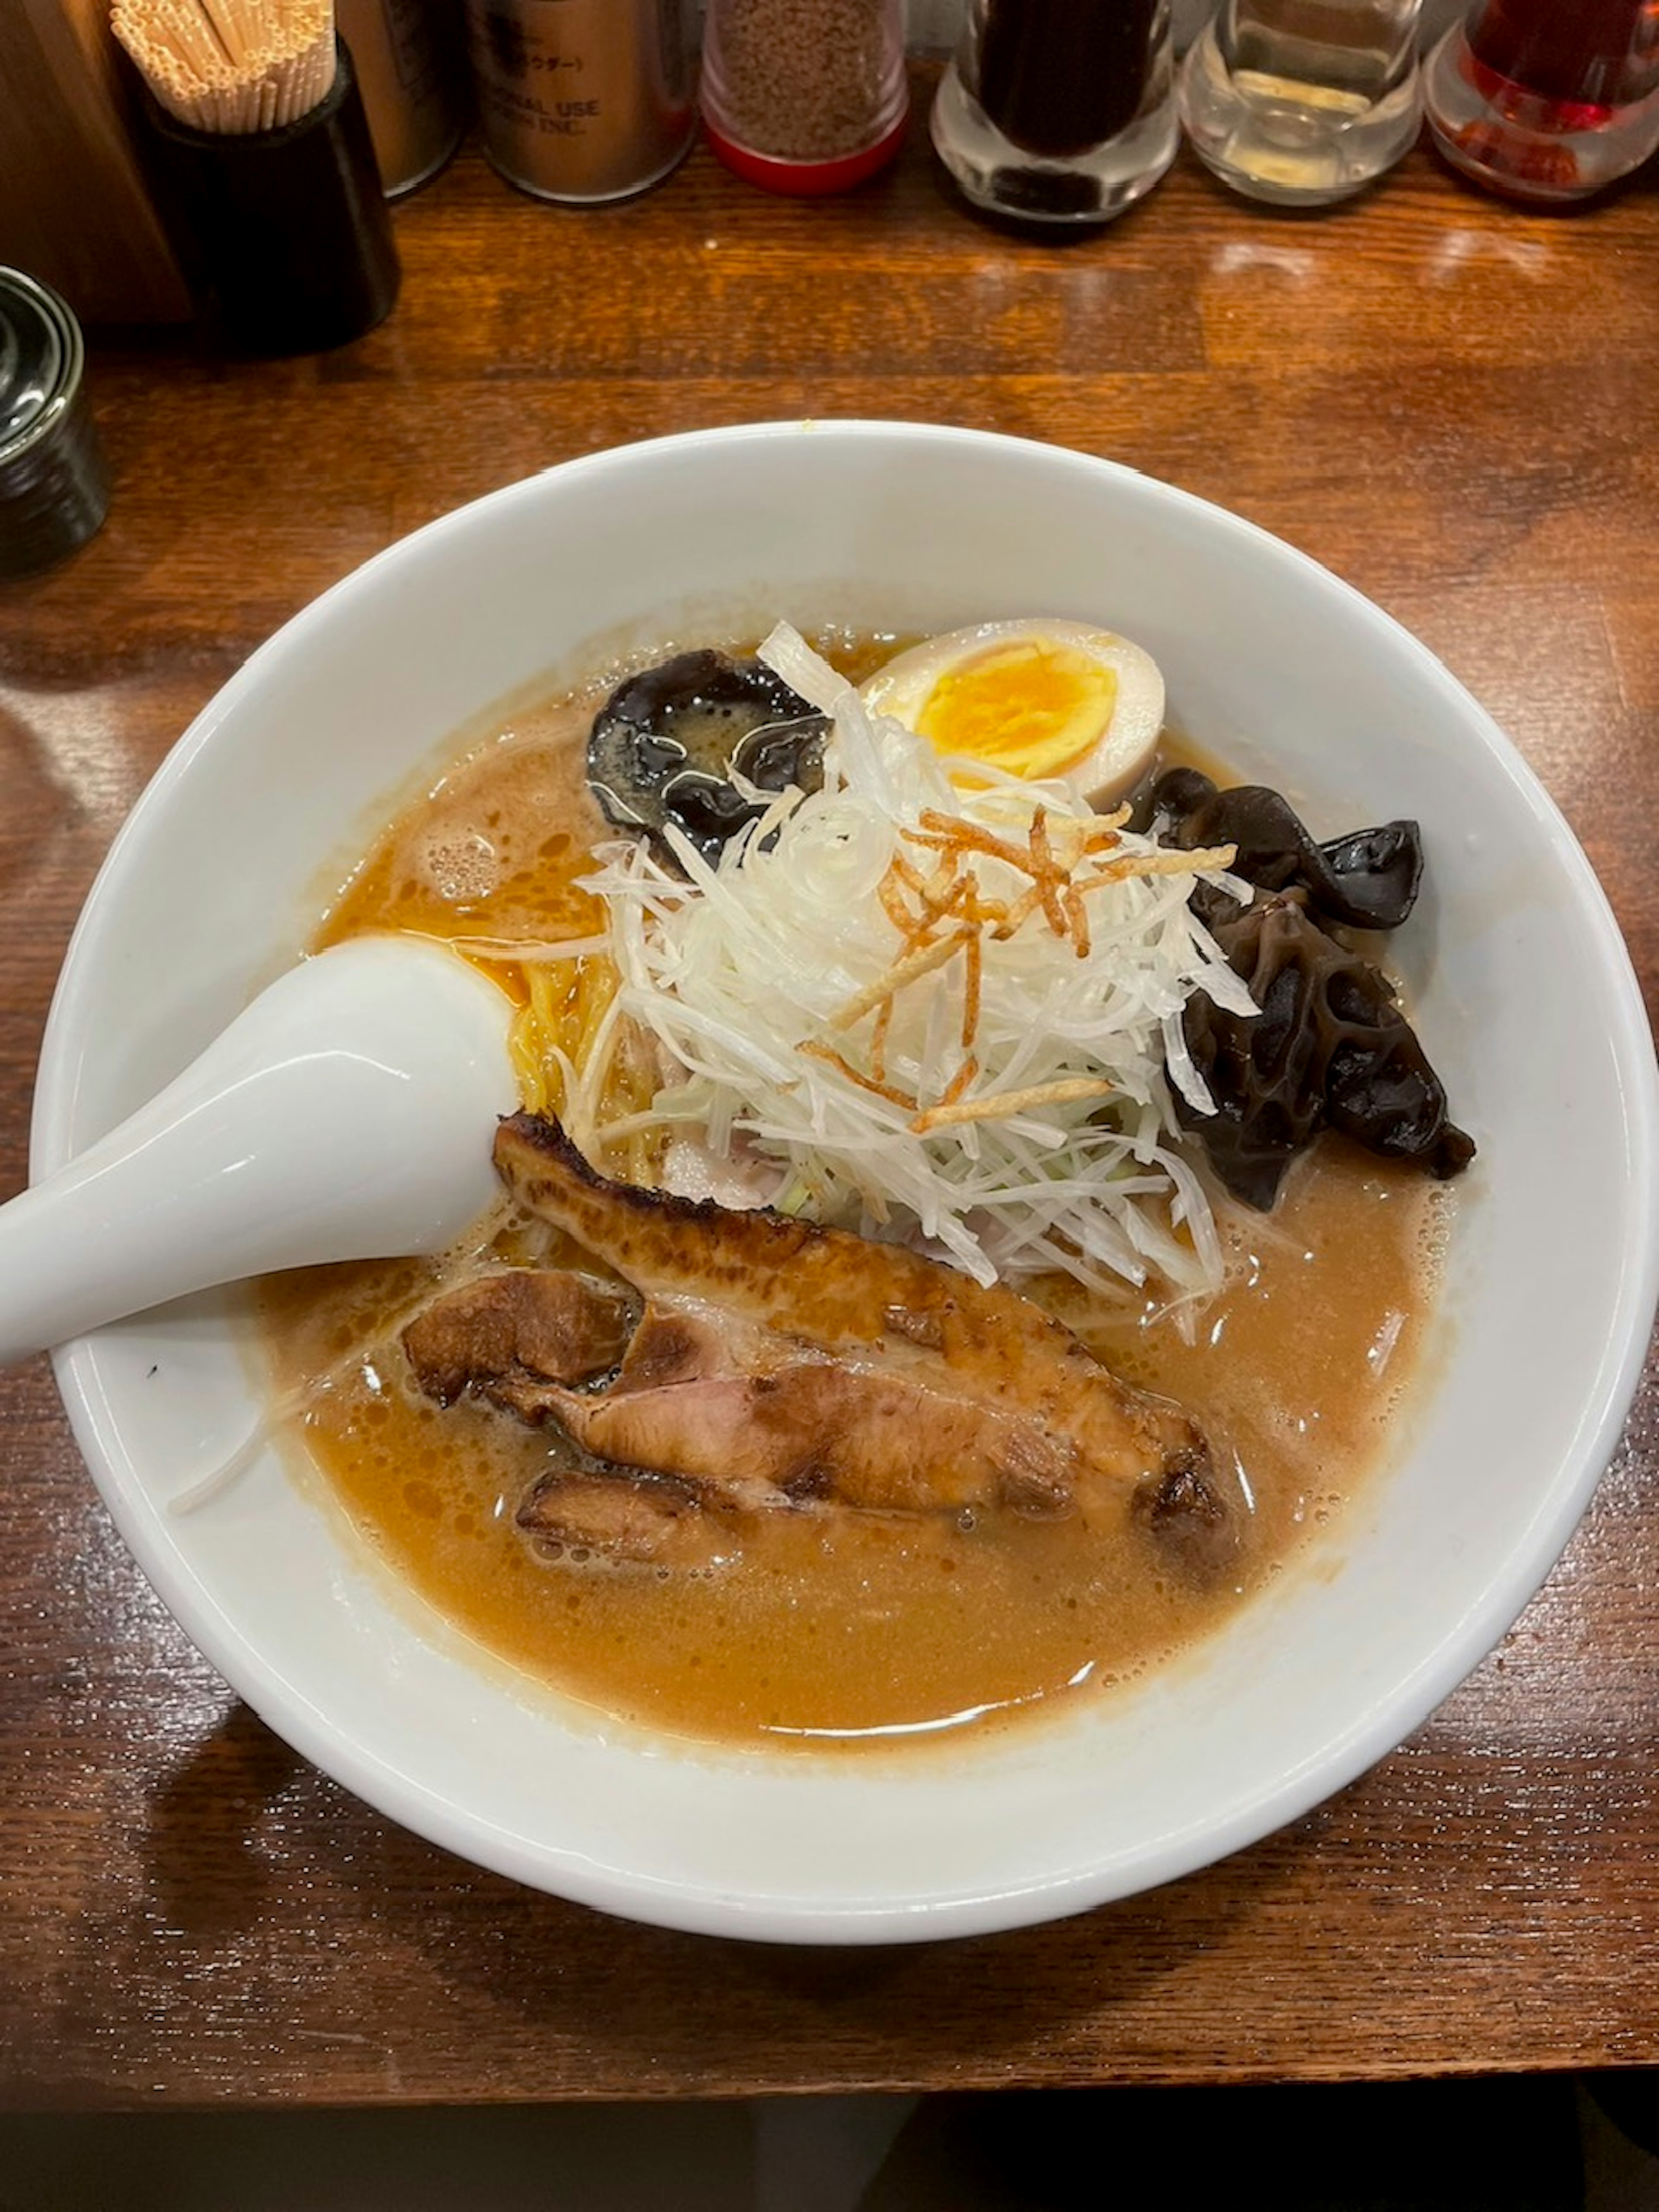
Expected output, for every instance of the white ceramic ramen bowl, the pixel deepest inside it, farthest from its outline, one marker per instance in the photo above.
(1522, 991)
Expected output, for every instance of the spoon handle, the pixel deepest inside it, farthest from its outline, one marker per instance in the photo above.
(346, 1114)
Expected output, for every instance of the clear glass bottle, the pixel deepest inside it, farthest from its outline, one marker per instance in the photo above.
(1058, 111)
(1547, 101)
(804, 95)
(1301, 102)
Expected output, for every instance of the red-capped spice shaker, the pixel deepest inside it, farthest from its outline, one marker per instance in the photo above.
(804, 95)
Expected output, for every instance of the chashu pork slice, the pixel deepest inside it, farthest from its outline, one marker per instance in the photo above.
(748, 1418)
(755, 1420)
(518, 1328)
(776, 1357)
(622, 1519)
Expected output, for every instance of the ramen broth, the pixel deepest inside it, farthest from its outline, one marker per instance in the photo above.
(823, 1628)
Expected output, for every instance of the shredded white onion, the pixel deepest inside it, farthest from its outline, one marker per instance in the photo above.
(744, 977)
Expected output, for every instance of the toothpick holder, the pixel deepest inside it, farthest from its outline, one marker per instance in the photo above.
(286, 231)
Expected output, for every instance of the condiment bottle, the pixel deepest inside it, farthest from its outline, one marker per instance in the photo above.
(54, 485)
(804, 95)
(582, 100)
(413, 75)
(1546, 101)
(1058, 111)
(1304, 101)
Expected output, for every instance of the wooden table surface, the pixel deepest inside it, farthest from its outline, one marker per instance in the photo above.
(1451, 402)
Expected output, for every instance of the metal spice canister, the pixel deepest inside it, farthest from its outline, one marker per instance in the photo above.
(582, 100)
(413, 81)
(54, 487)
(804, 95)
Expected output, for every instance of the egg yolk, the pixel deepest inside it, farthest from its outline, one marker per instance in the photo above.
(1031, 709)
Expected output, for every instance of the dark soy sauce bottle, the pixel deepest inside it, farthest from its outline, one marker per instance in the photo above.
(1058, 111)
(1057, 77)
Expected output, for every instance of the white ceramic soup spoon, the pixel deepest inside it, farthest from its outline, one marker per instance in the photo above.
(347, 1113)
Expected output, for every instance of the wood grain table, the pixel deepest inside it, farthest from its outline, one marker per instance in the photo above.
(1450, 402)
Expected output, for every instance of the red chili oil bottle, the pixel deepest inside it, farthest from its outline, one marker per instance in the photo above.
(1546, 102)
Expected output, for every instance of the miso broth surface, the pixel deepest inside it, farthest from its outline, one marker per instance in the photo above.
(837, 1628)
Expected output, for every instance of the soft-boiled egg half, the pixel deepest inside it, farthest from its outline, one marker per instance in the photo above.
(1038, 698)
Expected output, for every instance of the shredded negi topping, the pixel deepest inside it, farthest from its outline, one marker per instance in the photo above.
(911, 1006)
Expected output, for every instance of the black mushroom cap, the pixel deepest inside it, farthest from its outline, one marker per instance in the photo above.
(666, 744)
(1329, 1047)
(1366, 880)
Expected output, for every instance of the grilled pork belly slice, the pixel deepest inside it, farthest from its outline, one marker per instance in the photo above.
(816, 1430)
(750, 1418)
(620, 1518)
(864, 1304)
(776, 1366)
(518, 1327)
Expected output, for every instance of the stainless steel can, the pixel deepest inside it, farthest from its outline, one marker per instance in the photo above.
(54, 486)
(414, 83)
(582, 100)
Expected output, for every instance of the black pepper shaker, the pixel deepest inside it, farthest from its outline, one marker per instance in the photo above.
(1058, 111)
(804, 95)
